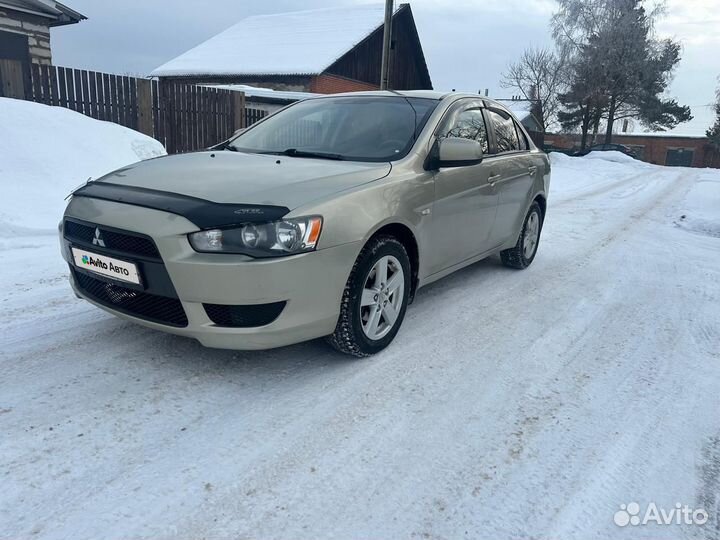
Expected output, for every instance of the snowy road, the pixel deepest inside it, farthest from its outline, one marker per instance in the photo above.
(512, 404)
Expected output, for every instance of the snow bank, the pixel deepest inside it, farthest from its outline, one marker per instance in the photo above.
(700, 208)
(611, 155)
(46, 152)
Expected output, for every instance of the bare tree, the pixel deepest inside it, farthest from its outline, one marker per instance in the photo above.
(539, 77)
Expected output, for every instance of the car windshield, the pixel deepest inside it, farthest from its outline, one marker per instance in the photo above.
(363, 128)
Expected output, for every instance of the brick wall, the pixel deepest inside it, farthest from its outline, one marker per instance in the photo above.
(34, 27)
(653, 149)
(332, 84)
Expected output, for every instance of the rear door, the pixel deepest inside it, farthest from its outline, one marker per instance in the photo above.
(465, 201)
(512, 172)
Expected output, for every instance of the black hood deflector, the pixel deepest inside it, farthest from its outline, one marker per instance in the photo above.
(204, 214)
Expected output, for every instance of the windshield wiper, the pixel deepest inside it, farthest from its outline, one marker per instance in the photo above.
(228, 146)
(294, 152)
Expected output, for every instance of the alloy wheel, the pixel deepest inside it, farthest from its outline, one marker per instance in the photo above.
(382, 297)
(532, 233)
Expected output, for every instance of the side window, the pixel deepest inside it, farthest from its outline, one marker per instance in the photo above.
(505, 134)
(467, 124)
(522, 140)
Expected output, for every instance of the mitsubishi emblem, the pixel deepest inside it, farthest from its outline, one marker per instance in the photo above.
(97, 239)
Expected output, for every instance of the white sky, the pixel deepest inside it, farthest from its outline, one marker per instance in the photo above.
(467, 43)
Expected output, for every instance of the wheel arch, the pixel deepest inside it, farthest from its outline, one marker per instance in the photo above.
(407, 238)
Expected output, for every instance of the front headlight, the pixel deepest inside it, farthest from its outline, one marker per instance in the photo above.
(286, 237)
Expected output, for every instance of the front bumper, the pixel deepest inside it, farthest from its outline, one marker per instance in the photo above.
(311, 284)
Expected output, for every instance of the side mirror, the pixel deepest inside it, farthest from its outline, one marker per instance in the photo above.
(455, 152)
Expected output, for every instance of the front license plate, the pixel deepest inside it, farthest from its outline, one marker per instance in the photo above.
(106, 266)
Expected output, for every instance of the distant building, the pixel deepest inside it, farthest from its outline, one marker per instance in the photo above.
(25, 29)
(321, 51)
(672, 149)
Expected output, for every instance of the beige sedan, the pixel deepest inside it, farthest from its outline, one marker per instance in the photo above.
(323, 220)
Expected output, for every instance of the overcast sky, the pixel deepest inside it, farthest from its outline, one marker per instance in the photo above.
(467, 43)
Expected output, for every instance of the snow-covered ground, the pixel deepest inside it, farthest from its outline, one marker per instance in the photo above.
(512, 404)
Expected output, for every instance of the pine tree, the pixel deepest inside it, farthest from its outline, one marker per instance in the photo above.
(630, 67)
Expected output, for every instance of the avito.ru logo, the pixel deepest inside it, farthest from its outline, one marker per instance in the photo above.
(630, 514)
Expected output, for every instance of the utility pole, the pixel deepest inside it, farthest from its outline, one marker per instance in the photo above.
(387, 38)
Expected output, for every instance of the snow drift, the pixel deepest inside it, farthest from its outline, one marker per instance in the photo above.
(45, 152)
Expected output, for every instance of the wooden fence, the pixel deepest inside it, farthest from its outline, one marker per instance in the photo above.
(184, 117)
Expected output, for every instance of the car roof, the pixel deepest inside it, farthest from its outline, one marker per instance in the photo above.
(425, 94)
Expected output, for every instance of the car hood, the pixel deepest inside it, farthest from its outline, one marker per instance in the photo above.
(234, 177)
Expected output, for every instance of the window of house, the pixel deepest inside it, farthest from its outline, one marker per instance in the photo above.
(506, 137)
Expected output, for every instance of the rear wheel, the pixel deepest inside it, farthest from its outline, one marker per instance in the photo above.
(375, 298)
(523, 254)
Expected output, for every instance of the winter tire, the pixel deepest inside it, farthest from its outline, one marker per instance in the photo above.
(522, 255)
(375, 298)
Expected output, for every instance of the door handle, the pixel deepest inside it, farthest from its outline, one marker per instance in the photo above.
(492, 179)
(532, 169)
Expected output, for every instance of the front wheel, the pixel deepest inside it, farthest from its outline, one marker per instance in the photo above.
(375, 298)
(522, 255)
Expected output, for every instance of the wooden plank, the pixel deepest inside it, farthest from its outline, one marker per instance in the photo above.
(157, 115)
(122, 113)
(132, 102)
(166, 90)
(215, 113)
(191, 117)
(117, 102)
(111, 98)
(94, 107)
(70, 80)
(145, 107)
(238, 110)
(45, 85)
(181, 117)
(123, 97)
(182, 125)
(77, 78)
(62, 86)
(122, 120)
(99, 105)
(107, 97)
(199, 116)
(87, 98)
(52, 76)
(130, 117)
(36, 83)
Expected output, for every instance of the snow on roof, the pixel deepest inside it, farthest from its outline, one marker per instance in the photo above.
(256, 91)
(297, 43)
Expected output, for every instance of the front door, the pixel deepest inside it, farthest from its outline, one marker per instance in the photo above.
(465, 198)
